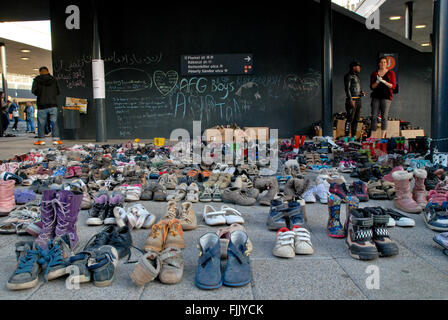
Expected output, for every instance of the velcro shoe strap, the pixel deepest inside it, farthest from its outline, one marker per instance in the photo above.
(208, 255)
(363, 222)
(383, 219)
(238, 255)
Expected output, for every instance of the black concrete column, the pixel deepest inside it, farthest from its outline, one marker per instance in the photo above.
(327, 67)
(100, 103)
(439, 114)
(409, 17)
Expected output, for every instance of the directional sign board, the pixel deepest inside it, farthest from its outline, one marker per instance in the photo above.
(217, 64)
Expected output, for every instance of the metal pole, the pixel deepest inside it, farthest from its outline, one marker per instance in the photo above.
(439, 112)
(4, 71)
(327, 67)
(98, 83)
(409, 17)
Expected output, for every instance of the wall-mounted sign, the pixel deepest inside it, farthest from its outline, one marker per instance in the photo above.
(217, 64)
(76, 104)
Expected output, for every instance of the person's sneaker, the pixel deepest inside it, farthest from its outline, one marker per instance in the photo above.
(284, 244)
(276, 217)
(435, 217)
(156, 237)
(360, 191)
(359, 235)
(172, 268)
(99, 210)
(400, 219)
(302, 240)
(174, 235)
(147, 269)
(56, 258)
(187, 217)
(57, 142)
(309, 196)
(340, 190)
(385, 246)
(39, 143)
(27, 272)
(102, 265)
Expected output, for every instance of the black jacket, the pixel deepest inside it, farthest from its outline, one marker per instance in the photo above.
(352, 85)
(46, 89)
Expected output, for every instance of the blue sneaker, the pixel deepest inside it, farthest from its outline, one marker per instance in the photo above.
(56, 258)
(436, 217)
(27, 272)
(208, 272)
(237, 272)
(295, 214)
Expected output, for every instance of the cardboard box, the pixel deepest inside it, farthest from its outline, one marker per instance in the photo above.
(340, 129)
(393, 129)
(258, 133)
(412, 134)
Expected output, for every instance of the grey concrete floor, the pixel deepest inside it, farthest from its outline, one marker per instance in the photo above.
(418, 272)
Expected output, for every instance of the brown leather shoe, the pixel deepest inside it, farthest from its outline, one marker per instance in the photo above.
(156, 238)
(174, 235)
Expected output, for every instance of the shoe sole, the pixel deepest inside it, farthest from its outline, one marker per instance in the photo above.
(22, 286)
(337, 237)
(110, 221)
(79, 279)
(240, 284)
(57, 274)
(404, 210)
(205, 287)
(362, 256)
(95, 223)
(102, 284)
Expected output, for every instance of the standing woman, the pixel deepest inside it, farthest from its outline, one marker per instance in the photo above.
(383, 83)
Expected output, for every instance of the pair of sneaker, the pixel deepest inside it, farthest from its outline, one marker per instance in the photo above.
(102, 211)
(131, 192)
(320, 191)
(290, 243)
(32, 259)
(435, 216)
(185, 214)
(97, 265)
(237, 271)
(136, 217)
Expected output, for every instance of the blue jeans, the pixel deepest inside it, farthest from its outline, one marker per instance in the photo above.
(42, 116)
(30, 125)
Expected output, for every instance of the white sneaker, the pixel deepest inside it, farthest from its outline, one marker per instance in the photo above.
(302, 238)
(284, 244)
(308, 196)
(400, 219)
(322, 192)
(391, 223)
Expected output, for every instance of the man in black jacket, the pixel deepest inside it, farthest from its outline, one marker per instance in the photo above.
(46, 88)
(353, 92)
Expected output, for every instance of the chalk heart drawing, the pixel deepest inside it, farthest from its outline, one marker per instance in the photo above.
(165, 82)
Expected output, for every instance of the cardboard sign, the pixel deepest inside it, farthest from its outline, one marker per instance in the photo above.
(76, 104)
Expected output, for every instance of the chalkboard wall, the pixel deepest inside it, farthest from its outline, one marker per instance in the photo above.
(147, 97)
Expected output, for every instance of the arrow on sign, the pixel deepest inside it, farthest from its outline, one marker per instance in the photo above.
(248, 59)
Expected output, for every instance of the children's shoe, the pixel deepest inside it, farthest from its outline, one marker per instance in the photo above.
(187, 217)
(208, 271)
(56, 258)
(322, 193)
(172, 268)
(360, 191)
(302, 241)
(156, 237)
(436, 216)
(284, 244)
(340, 190)
(103, 265)
(174, 235)
(359, 235)
(121, 240)
(401, 220)
(309, 196)
(334, 226)
(237, 272)
(385, 246)
(276, 218)
(78, 270)
(99, 210)
(442, 240)
(27, 272)
(115, 200)
(147, 269)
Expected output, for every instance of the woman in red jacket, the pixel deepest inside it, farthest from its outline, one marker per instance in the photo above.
(383, 83)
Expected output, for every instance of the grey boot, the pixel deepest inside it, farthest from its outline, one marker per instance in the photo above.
(272, 186)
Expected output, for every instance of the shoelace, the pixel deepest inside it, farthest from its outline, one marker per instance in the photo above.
(46, 213)
(26, 263)
(63, 208)
(50, 257)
